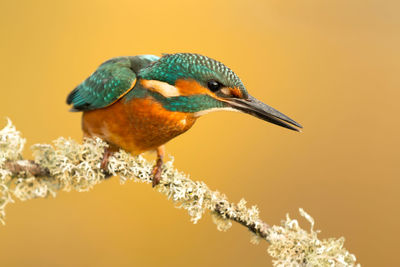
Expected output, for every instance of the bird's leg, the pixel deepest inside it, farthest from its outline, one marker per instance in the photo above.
(108, 152)
(158, 166)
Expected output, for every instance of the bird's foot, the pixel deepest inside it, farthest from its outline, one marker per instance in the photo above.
(156, 175)
(104, 162)
(158, 167)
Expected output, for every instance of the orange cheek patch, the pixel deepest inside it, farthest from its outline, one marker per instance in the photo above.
(236, 92)
(191, 87)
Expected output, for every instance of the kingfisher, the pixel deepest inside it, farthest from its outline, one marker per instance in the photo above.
(139, 103)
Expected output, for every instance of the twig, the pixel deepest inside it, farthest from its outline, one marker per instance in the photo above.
(25, 166)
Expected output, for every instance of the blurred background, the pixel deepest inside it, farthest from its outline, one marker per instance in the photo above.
(333, 66)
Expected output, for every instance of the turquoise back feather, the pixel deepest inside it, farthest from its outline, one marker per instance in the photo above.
(108, 83)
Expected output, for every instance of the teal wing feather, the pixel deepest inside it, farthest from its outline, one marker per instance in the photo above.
(112, 80)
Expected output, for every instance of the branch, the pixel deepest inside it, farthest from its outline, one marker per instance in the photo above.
(25, 166)
(71, 166)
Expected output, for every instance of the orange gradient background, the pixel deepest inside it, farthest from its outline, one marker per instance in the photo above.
(331, 65)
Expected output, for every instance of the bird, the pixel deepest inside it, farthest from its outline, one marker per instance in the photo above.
(139, 103)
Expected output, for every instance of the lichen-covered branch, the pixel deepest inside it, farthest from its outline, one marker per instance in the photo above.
(15, 167)
(67, 165)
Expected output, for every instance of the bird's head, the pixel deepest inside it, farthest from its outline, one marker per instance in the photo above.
(197, 84)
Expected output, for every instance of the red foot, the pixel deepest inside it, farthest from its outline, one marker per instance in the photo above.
(157, 172)
(104, 162)
(158, 166)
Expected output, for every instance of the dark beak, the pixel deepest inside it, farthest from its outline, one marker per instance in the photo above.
(262, 111)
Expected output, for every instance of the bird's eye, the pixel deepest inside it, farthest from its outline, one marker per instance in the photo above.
(213, 85)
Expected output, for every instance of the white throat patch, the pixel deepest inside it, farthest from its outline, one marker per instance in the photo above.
(203, 112)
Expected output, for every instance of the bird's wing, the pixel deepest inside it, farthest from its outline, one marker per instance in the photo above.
(112, 80)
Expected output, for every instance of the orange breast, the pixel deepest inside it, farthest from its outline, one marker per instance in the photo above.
(137, 125)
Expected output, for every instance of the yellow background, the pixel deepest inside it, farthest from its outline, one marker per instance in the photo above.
(331, 65)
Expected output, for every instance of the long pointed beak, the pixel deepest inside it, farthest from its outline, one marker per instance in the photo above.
(262, 111)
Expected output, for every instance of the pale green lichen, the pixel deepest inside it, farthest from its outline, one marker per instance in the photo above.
(74, 166)
(11, 143)
(11, 146)
(290, 245)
